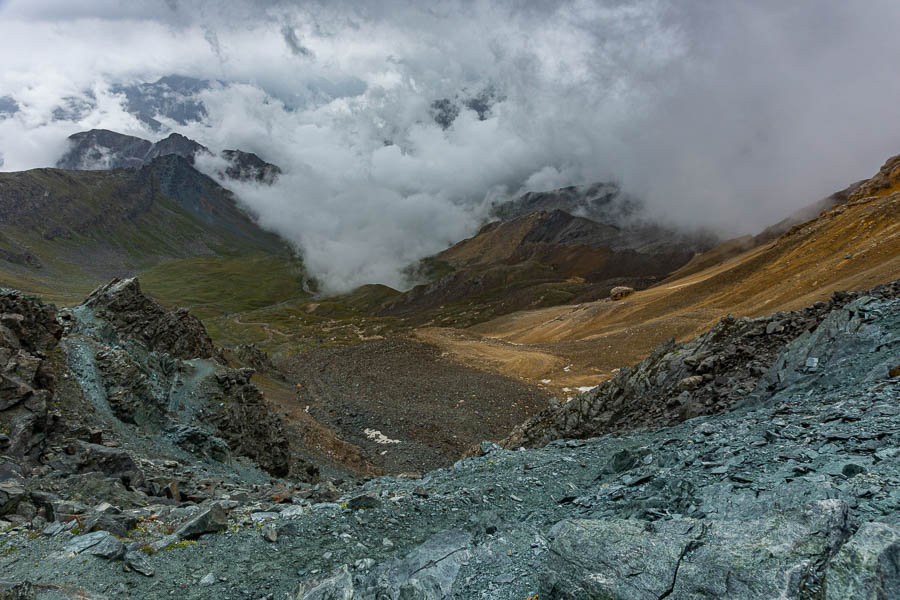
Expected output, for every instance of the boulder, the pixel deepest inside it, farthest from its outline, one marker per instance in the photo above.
(336, 587)
(135, 561)
(212, 520)
(11, 493)
(619, 292)
(426, 573)
(98, 543)
(118, 525)
(867, 567)
(111, 461)
(781, 555)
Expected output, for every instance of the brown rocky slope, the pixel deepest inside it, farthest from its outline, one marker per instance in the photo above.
(855, 245)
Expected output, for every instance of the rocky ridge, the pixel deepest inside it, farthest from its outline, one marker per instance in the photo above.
(792, 494)
(102, 402)
(105, 149)
(547, 257)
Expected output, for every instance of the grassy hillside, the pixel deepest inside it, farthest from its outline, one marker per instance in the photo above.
(62, 233)
(73, 229)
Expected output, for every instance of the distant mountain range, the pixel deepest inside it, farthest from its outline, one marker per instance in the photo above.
(100, 149)
(118, 205)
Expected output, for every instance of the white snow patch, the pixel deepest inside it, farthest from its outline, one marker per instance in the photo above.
(585, 388)
(545, 381)
(378, 437)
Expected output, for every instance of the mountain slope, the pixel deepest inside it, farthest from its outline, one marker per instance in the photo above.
(543, 259)
(76, 228)
(852, 246)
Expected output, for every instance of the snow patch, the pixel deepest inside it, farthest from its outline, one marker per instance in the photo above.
(378, 437)
(585, 388)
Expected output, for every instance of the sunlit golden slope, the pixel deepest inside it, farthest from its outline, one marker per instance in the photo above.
(852, 246)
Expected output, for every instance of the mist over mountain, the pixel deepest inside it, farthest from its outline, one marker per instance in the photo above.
(399, 126)
(100, 149)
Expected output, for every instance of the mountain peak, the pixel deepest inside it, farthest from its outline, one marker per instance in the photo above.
(102, 149)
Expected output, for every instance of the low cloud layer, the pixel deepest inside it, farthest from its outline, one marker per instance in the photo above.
(397, 124)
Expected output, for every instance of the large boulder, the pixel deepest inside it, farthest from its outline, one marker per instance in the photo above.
(98, 543)
(781, 555)
(11, 493)
(427, 573)
(620, 291)
(867, 566)
(212, 520)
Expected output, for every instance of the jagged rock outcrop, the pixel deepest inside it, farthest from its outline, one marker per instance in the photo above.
(27, 323)
(158, 370)
(28, 333)
(248, 425)
(251, 356)
(882, 183)
(132, 314)
(679, 381)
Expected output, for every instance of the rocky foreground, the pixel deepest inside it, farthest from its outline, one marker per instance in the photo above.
(792, 492)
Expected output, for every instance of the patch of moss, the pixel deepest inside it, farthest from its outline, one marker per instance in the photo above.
(181, 544)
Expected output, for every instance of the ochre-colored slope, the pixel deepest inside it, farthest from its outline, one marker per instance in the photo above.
(853, 246)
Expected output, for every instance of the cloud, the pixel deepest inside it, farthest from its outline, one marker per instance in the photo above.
(725, 115)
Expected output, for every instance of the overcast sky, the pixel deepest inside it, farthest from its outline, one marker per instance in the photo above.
(723, 114)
